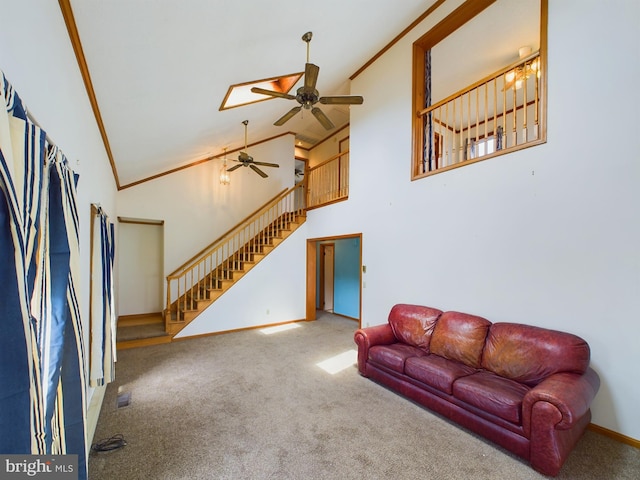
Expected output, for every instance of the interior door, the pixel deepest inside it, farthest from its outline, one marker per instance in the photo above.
(327, 259)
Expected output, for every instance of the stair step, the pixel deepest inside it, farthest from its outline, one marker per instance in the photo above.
(139, 319)
(143, 342)
(141, 330)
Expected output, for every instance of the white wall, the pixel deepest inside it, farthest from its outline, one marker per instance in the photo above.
(196, 209)
(37, 58)
(547, 236)
(328, 148)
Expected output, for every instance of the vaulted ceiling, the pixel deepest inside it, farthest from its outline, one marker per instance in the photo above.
(160, 69)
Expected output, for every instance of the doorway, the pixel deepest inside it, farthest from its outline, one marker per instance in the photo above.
(140, 266)
(339, 258)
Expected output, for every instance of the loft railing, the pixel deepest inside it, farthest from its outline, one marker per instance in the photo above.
(328, 181)
(497, 114)
(215, 264)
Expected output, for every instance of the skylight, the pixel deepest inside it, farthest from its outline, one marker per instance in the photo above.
(241, 94)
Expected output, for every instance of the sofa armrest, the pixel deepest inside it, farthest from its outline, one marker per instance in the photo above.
(570, 393)
(368, 337)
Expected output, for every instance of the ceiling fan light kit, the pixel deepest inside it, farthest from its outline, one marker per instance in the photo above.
(246, 160)
(307, 95)
(224, 177)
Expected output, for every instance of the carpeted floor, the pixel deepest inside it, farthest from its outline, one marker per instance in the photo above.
(247, 405)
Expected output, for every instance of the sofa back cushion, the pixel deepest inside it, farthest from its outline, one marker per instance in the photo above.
(413, 324)
(530, 354)
(460, 337)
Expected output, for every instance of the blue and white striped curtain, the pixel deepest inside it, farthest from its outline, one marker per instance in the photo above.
(103, 318)
(42, 361)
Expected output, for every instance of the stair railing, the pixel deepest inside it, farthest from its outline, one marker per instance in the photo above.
(214, 265)
(328, 182)
(500, 113)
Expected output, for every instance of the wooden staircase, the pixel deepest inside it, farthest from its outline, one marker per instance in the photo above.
(205, 278)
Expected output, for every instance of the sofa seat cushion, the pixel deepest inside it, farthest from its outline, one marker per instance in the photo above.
(393, 356)
(493, 394)
(436, 371)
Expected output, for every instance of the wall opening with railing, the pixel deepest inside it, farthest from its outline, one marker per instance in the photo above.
(499, 104)
(497, 114)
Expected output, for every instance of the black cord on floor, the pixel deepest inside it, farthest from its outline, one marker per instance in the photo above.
(109, 444)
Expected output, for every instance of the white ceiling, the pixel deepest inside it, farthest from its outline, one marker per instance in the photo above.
(161, 68)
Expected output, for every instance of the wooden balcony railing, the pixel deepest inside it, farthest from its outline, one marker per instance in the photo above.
(328, 182)
(499, 113)
(207, 271)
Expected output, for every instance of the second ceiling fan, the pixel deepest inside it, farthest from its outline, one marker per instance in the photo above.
(246, 160)
(307, 95)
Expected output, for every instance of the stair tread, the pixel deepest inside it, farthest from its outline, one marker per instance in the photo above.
(136, 332)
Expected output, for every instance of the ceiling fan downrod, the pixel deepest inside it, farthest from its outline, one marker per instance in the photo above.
(307, 38)
(245, 123)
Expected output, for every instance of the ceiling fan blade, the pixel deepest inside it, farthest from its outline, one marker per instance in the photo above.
(322, 118)
(271, 93)
(258, 171)
(287, 116)
(235, 167)
(265, 164)
(310, 76)
(342, 100)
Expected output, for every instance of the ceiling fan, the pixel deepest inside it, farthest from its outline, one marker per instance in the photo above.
(307, 95)
(246, 160)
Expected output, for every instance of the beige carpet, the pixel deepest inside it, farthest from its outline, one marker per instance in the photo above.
(247, 405)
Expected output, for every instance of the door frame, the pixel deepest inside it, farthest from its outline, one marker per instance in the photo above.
(312, 266)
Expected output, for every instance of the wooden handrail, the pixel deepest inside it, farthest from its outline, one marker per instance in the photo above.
(475, 85)
(324, 162)
(228, 232)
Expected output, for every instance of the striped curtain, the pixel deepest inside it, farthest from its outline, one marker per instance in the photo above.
(42, 361)
(103, 318)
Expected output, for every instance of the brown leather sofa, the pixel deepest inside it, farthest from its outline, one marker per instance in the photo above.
(525, 388)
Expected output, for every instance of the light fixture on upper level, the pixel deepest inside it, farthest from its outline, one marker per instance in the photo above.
(224, 177)
(517, 76)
